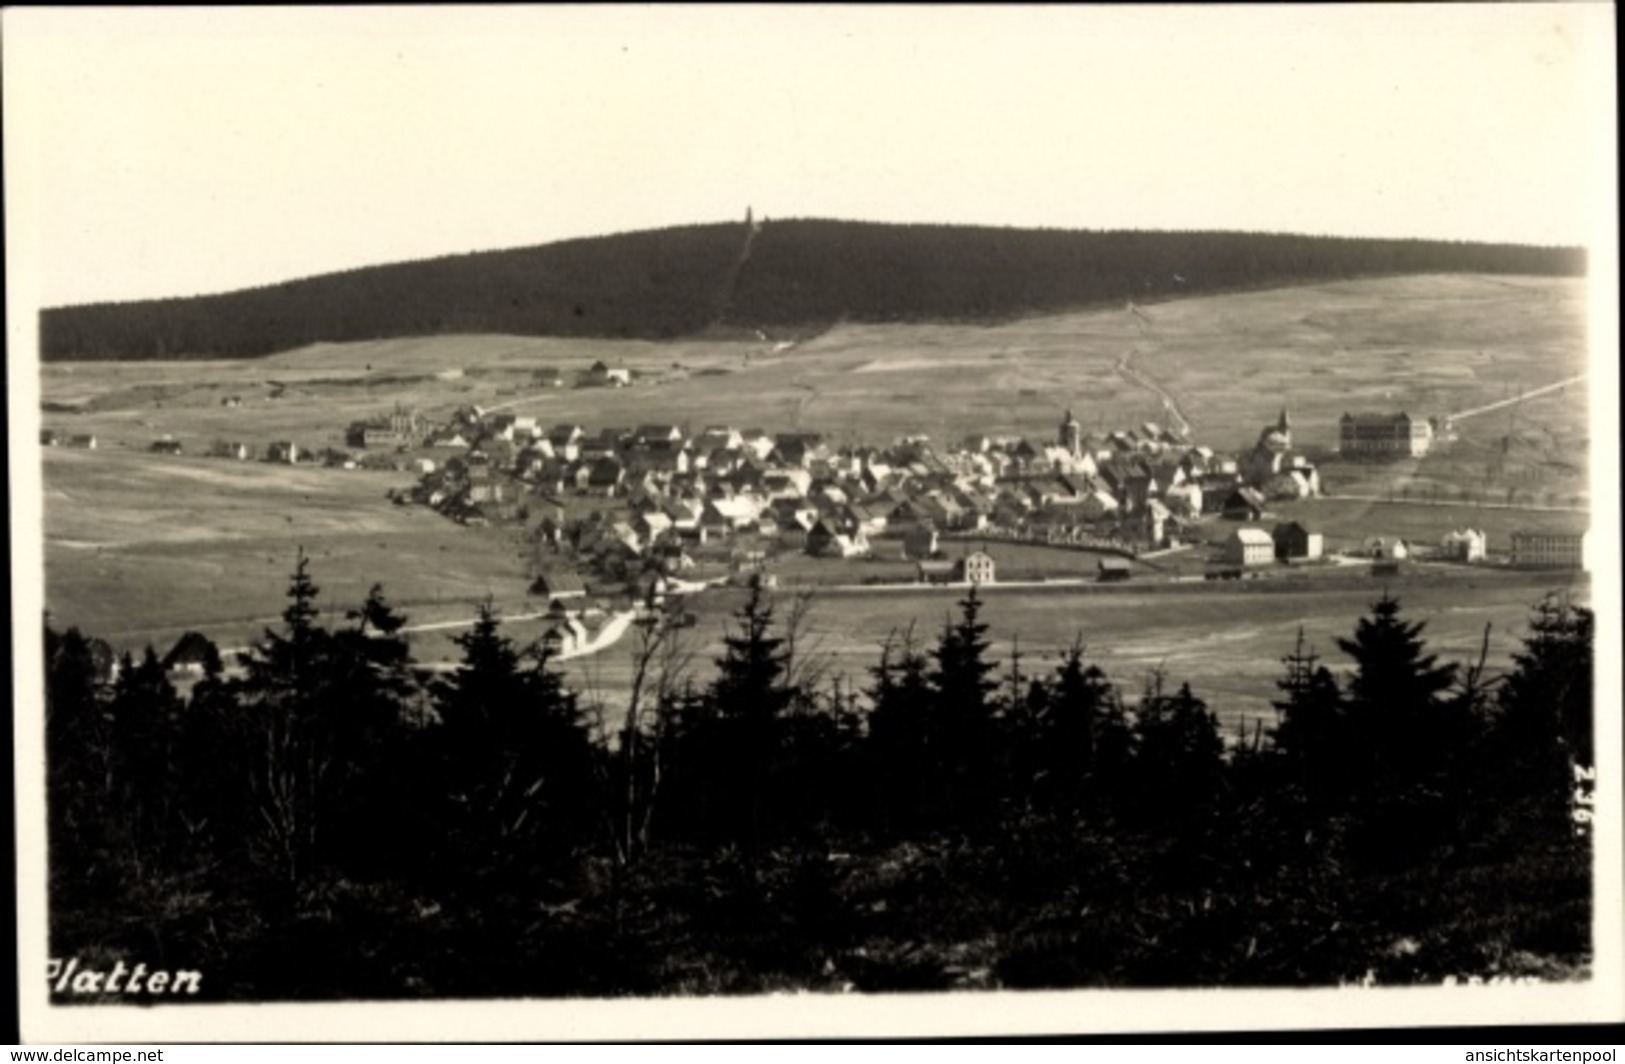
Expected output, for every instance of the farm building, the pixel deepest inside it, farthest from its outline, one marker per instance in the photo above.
(920, 543)
(600, 375)
(557, 584)
(400, 428)
(565, 636)
(1294, 542)
(1154, 520)
(234, 449)
(1464, 545)
(1386, 549)
(651, 588)
(825, 542)
(929, 572)
(603, 477)
(190, 655)
(976, 567)
(1114, 569)
(547, 377)
(49, 437)
(282, 451)
(1249, 546)
(1244, 504)
(1383, 436)
(85, 442)
(165, 446)
(1097, 504)
(1566, 550)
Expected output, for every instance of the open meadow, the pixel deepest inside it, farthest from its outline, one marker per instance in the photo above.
(140, 546)
(1430, 345)
(1227, 642)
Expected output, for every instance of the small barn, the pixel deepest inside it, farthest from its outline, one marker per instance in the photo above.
(1244, 504)
(1112, 570)
(1294, 542)
(558, 584)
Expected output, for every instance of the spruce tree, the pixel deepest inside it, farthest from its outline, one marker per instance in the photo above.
(1397, 753)
(1542, 737)
(1312, 724)
(1178, 756)
(902, 743)
(1075, 701)
(1395, 699)
(78, 765)
(515, 754)
(963, 715)
(749, 698)
(145, 724)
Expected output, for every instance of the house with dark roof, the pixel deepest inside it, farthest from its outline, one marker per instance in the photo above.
(191, 655)
(1244, 504)
(559, 585)
(1113, 569)
(1294, 542)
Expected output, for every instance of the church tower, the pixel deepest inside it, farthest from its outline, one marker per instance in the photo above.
(1070, 436)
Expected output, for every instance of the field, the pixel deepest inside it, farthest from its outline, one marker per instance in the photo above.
(1227, 642)
(139, 549)
(140, 546)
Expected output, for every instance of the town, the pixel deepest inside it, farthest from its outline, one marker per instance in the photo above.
(635, 515)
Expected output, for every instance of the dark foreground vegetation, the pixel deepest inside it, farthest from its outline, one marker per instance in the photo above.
(791, 277)
(333, 825)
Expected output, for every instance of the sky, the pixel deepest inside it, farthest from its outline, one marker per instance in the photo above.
(171, 152)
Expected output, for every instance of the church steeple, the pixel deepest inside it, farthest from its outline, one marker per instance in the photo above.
(1070, 435)
(1285, 424)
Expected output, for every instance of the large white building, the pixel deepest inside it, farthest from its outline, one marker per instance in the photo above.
(1383, 436)
(1249, 546)
(1555, 549)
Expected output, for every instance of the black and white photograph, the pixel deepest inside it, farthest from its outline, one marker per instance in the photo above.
(638, 522)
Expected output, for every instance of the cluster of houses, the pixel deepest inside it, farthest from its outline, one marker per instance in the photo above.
(1292, 542)
(665, 488)
(282, 452)
(53, 438)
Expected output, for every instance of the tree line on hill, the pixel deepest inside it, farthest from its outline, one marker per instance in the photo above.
(330, 824)
(799, 275)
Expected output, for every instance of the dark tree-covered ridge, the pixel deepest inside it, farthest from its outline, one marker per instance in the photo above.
(799, 275)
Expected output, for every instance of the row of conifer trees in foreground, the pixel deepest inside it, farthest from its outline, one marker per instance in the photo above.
(331, 760)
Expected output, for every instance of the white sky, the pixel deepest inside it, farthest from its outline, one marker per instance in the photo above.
(169, 152)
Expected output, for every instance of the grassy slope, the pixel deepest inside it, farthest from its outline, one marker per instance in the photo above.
(218, 549)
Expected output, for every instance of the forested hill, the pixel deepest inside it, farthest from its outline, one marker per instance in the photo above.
(799, 275)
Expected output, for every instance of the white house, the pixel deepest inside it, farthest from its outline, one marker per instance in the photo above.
(1464, 545)
(976, 567)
